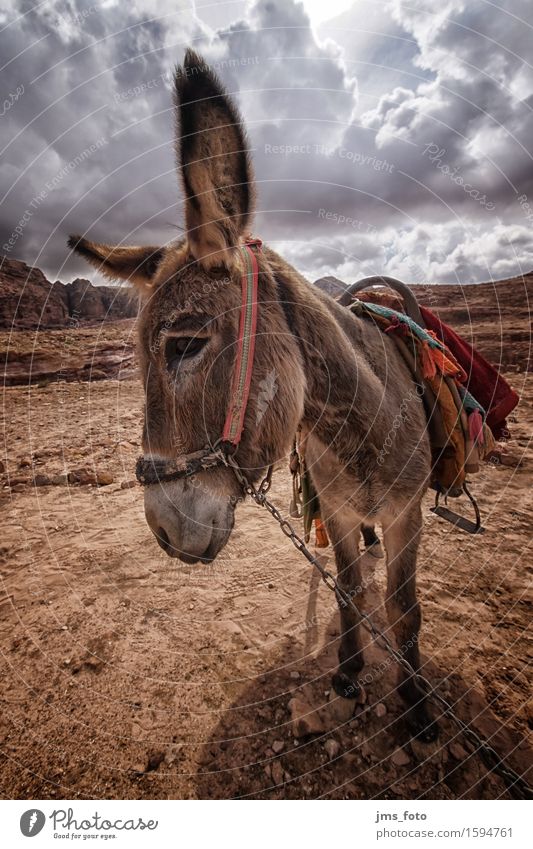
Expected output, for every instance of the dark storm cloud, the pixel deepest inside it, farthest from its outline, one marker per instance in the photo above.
(408, 157)
(89, 144)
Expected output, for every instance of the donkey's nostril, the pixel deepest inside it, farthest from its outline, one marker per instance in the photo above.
(163, 540)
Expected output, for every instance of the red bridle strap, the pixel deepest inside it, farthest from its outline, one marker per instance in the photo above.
(242, 376)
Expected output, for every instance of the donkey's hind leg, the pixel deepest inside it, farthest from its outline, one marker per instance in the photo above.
(401, 537)
(346, 548)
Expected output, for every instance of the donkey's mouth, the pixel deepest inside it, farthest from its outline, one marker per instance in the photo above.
(163, 539)
(216, 544)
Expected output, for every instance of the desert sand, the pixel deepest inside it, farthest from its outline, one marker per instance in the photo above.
(130, 675)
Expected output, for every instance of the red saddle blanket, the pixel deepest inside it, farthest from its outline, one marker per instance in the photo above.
(485, 383)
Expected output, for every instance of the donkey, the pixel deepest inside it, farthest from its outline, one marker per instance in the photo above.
(337, 376)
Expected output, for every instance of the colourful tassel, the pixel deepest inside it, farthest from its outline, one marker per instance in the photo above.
(321, 535)
(429, 368)
(475, 427)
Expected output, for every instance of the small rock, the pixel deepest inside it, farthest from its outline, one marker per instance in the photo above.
(154, 760)
(277, 772)
(332, 748)
(25, 462)
(41, 480)
(278, 746)
(457, 751)
(128, 484)
(295, 675)
(104, 478)
(511, 460)
(59, 480)
(18, 487)
(82, 476)
(339, 710)
(380, 710)
(268, 771)
(400, 758)
(305, 720)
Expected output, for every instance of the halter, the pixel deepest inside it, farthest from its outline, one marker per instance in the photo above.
(148, 471)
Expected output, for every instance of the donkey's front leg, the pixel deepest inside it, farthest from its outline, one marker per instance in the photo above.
(401, 537)
(345, 546)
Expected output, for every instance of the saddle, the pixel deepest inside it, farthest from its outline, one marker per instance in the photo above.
(458, 425)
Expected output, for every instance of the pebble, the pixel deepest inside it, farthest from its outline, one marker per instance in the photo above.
(457, 751)
(332, 748)
(104, 478)
(295, 675)
(154, 760)
(41, 480)
(400, 758)
(59, 480)
(128, 484)
(305, 720)
(380, 710)
(277, 772)
(86, 476)
(337, 710)
(278, 746)
(81, 476)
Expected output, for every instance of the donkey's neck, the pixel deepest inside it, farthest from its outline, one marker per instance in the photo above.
(344, 394)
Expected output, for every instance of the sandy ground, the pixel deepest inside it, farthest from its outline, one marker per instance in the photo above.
(129, 675)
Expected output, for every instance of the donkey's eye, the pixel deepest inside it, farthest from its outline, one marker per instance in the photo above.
(180, 348)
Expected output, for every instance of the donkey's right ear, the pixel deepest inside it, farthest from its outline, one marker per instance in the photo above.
(138, 265)
(215, 166)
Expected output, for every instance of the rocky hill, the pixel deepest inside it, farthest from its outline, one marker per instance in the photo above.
(82, 332)
(331, 285)
(28, 300)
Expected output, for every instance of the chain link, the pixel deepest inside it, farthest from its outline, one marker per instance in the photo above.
(514, 782)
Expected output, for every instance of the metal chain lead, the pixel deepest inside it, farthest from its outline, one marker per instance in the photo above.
(495, 762)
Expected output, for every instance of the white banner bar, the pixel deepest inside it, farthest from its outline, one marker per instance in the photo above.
(256, 825)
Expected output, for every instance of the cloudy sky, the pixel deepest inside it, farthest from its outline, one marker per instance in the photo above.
(389, 136)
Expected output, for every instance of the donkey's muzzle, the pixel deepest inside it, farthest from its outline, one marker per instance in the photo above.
(190, 524)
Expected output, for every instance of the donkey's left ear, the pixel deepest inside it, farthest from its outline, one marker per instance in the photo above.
(138, 265)
(215, 166)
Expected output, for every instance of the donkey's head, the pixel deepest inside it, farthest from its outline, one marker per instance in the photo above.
(189, 324)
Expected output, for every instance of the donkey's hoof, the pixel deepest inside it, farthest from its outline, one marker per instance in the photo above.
(344, 686)
(423, 728)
